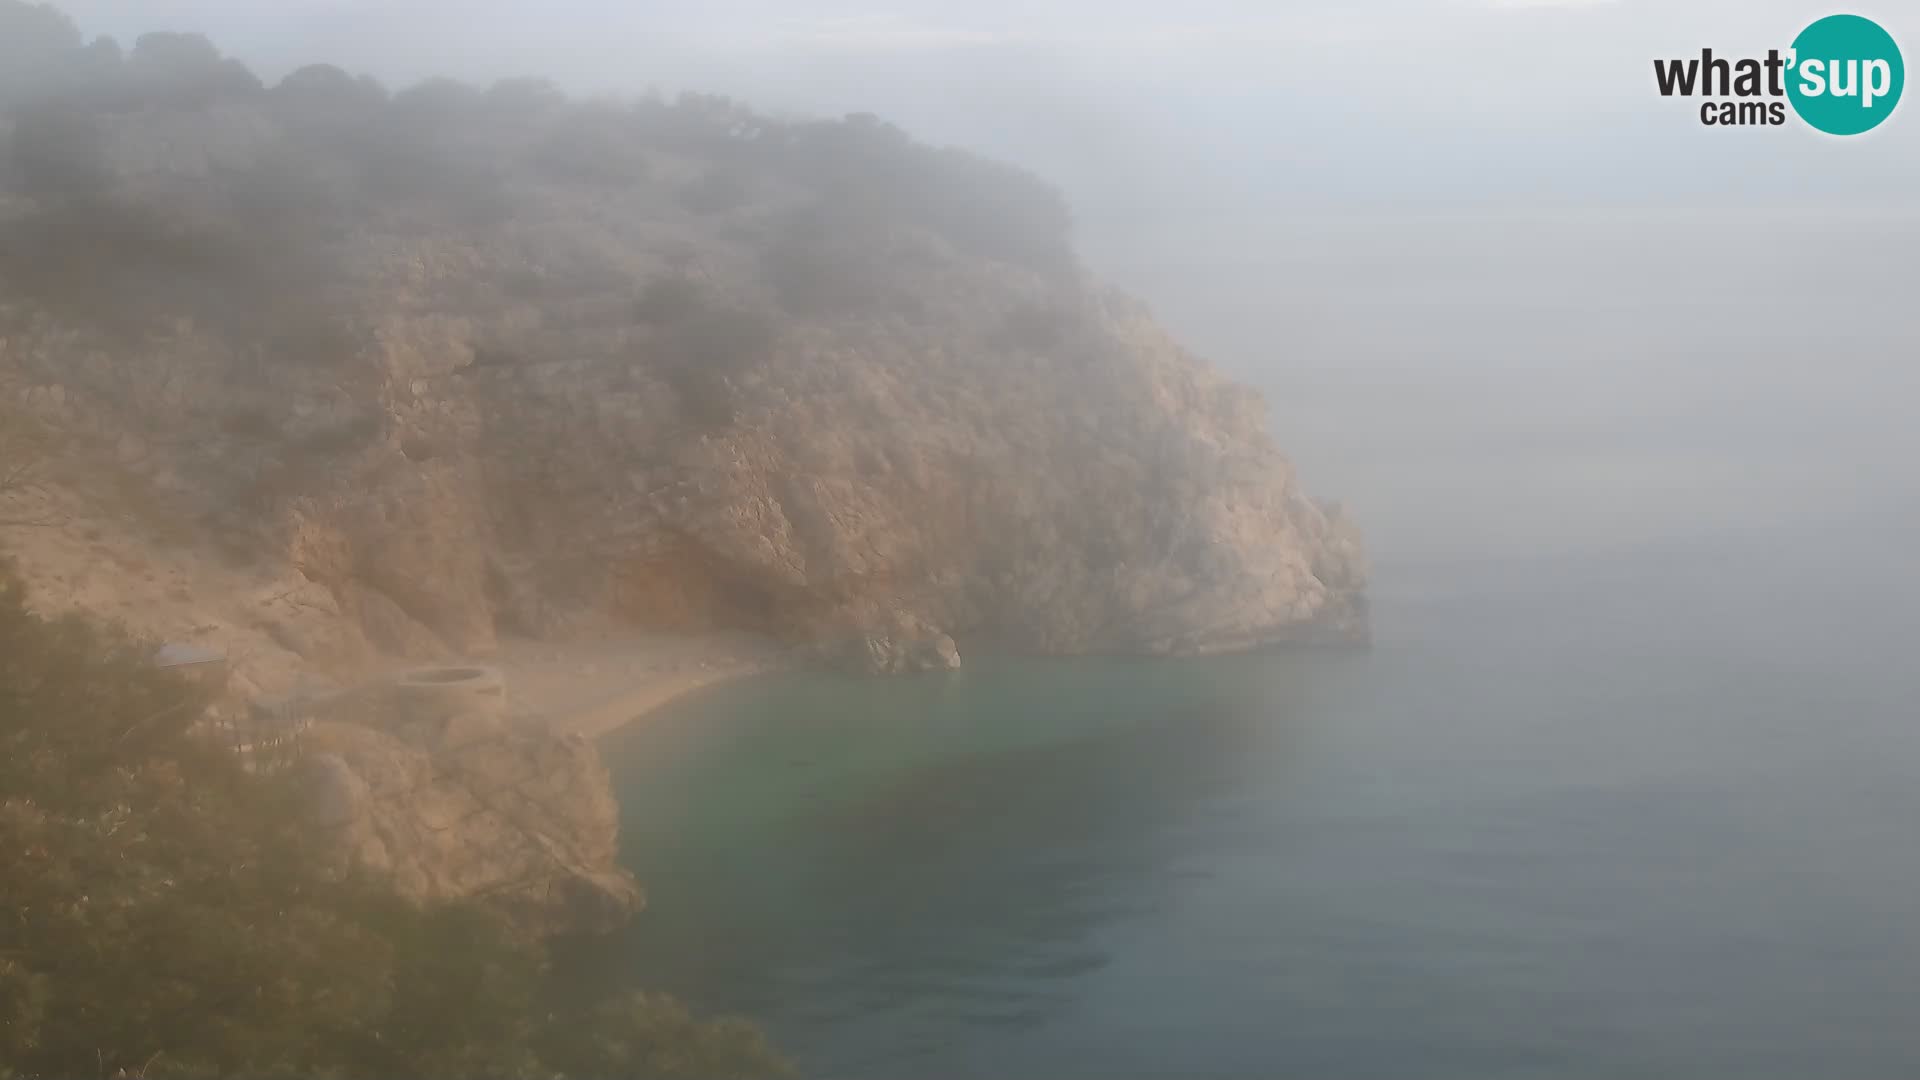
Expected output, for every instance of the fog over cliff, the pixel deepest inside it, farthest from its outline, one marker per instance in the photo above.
(1343, 203)
(1137, 108)
(763, 337)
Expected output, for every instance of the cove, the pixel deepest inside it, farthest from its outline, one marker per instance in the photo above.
(1548, 826)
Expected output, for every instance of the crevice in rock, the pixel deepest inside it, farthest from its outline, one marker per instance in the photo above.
(679, 585)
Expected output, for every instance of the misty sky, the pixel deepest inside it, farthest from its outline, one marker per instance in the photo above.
(1499, 293)
(1134, 105)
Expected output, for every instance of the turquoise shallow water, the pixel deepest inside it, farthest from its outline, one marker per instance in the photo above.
(1644, 813)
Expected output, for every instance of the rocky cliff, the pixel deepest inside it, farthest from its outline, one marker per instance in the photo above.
(407, 372)
(447, 799)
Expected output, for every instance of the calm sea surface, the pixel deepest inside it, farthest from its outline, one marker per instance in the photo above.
(1537, 831)
(1629, 786)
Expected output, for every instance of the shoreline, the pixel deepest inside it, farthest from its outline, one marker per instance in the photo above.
(598, 688)
(636, 704)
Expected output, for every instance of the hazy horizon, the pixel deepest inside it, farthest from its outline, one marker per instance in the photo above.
(1136, 108)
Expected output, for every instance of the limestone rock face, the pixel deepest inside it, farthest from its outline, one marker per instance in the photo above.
(461, 807)
(870, 641)
(871, 419)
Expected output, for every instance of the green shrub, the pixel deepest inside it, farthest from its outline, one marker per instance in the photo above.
(121, 268)
(708, 352)
(321, 84)
(588, 147)
(164, 917)
(186, 70)
(437, 100)
(668, 299)
(313, 332)
(1036, 327)
(36, 43)
(524, 95)
(717, 191)
(58, 152)
(704, 345)
(978, 205)
(342, 438)
(829, 258)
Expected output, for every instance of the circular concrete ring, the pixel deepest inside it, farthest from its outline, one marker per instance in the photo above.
(439, 692)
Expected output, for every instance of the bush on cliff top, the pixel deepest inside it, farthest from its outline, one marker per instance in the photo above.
(451, 154)
(160, 915)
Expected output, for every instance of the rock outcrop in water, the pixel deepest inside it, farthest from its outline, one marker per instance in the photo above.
(413, 371)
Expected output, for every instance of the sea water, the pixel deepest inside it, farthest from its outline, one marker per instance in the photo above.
(1627, 787)
(1534, 832)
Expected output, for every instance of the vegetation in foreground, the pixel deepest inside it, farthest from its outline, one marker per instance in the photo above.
(160, 915)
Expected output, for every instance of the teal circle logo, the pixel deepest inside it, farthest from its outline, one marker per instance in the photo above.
(1846, 75)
